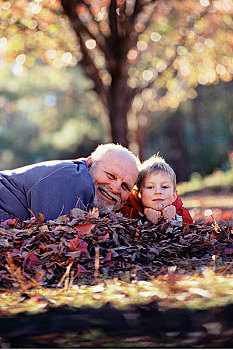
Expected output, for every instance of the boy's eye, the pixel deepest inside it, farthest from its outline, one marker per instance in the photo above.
(149, 187)
(165, 186)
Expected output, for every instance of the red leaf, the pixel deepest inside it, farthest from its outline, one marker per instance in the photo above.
(40, 246)
(103, 238)
(84, 229)
(9, 223)
(30, 261)
(108, 257)
(83, 247)
(82, 270)
(73, 244)
(78, 244)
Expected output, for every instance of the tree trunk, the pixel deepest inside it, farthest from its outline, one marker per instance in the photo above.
(196, 115)
(178, 148)
(118, 127)
(119, 104)
(117, 111)
(141, 135)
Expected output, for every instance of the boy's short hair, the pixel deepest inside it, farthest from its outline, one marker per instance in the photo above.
(155, 164)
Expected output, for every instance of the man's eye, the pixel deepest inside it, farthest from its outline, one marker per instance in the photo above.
(110, 176)
(125, 187)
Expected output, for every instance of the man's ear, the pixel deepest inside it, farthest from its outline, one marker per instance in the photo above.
(89, 162)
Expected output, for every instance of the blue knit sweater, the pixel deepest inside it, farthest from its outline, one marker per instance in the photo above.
(52, 188)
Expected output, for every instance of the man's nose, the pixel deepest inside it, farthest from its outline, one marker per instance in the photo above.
(115, 186)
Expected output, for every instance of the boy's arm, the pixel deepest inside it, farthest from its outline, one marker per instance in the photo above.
(187, 218)
(133, 208)
(181, 211)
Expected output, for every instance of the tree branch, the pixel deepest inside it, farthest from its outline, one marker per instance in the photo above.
(78, 25)
(87, 62)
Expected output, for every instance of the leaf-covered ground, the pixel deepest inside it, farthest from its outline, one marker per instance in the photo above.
(171, 311)
(34, 253)
(84, 281)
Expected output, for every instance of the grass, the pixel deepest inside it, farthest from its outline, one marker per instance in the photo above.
(217, 181)
(173, 310)
(193, 291)
(211, 201)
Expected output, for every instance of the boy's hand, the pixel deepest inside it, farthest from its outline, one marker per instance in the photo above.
(169, 212)
(152, 215)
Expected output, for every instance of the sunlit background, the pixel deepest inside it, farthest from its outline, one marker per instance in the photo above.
(181, 66)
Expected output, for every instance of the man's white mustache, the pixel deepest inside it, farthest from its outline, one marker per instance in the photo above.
(109, 194)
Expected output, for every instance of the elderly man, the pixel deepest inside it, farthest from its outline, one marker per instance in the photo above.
(53, 188)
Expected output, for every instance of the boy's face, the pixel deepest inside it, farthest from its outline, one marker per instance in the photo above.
(157, 191)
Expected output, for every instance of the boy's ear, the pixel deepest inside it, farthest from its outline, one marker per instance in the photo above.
(89, 162)
(175, 194)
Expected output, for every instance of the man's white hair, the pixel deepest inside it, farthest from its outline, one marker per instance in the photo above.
(101, 150)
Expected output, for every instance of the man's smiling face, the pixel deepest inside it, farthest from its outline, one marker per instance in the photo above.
(114, 176)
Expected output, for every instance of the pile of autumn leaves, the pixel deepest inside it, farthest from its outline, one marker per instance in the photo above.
(83, 246)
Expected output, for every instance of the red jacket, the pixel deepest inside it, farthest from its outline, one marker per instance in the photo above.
(133, 208)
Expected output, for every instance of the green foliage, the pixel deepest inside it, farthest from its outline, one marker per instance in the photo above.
(45, 115)
(219, 180)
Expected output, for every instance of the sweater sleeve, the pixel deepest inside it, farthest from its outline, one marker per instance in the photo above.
(51, 188)
(59, 192)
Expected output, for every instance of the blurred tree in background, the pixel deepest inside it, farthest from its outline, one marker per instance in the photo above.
(41, 118)
(149, 55)
(198, 137)
(143, 58)
(44, 115)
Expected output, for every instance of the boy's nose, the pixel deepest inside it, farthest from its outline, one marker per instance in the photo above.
(157, 189)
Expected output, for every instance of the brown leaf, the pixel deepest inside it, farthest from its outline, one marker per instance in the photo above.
(40, 218)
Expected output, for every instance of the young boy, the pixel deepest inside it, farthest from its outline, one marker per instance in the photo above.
(155, 197)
